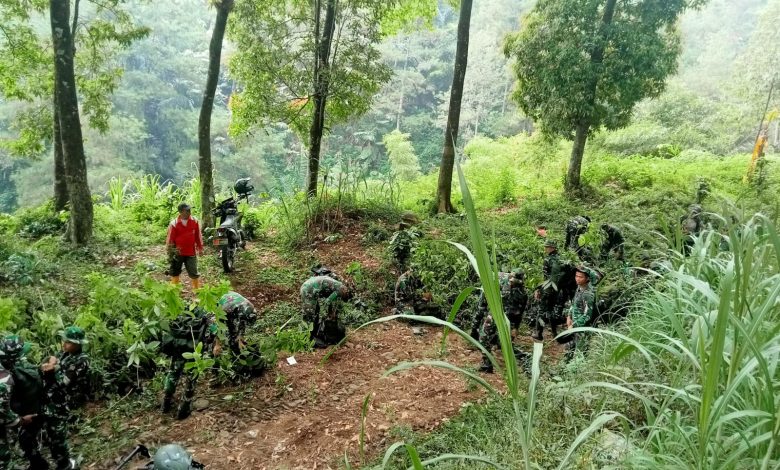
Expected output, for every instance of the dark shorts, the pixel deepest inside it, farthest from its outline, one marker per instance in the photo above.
(189, 262)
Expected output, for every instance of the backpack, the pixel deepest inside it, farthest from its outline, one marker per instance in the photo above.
(183, 335)
(27, 394)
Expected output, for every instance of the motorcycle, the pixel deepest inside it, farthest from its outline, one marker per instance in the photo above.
(229, 236)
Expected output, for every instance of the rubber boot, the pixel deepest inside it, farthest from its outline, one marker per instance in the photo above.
(486, 365)
(167, 404)
(175, 279)
(196, 283)
(554, 329)
(185, 409)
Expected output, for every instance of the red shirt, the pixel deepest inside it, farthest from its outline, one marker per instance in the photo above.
(185, 236)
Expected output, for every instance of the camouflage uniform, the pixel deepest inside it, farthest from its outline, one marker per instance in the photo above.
(574, 229)
(42, 395)
(240, 313)
(613, 243)
(316, 292)
(548, 308)
(514, 300)
(691, 226)
(75, 369)
(8, 419)
(401, 246)
(581, 312)
(185, 333)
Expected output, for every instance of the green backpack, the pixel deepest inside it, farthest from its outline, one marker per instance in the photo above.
(184, 333)
(27, 394)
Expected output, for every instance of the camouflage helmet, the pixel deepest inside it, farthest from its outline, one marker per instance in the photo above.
(172, 457)
(551, 244)
(694, 208)
(13, 347)
(518, 273)
(75, 335)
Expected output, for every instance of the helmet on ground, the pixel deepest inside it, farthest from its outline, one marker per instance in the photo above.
(172, 457)
(74, 334)
(13, 347)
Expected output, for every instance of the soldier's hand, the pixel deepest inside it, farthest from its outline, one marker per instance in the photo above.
(537, 295)
(27, 420)
(217, 349)
(569, 323)
(48, 368)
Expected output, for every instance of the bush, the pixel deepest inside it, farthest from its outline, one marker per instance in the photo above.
(40, 221)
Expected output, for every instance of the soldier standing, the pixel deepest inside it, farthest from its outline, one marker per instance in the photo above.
(582, 308)
(8, 419)
(240, 313)
(547, 297)
(73, 362)
(38, 401)
(189, 329)
(323, 293)
(513, 298)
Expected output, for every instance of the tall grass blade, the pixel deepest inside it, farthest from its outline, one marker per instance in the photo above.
(594, 426)
(464, 294)
(442, 365)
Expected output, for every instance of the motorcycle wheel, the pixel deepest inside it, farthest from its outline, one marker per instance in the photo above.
(228, 255)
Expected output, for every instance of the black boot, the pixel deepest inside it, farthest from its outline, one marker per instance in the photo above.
(554, 329)
(486, 366)
(538, 334)
(167, 404)
(185, 409)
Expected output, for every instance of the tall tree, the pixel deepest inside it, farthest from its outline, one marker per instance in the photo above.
(67, 104)
(205, 167)
(444, 190)
(27, 71)
(583, 64)
(312, 64)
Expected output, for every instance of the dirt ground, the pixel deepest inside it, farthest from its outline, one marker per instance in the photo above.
(308, 415)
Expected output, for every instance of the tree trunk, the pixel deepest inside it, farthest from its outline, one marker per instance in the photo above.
(321, 86)
(444, 190)
(75, 164)
(596, 59)
(205, 167)
(575, 162)
(60, 187)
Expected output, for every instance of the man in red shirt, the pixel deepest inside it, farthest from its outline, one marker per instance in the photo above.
(184, 243)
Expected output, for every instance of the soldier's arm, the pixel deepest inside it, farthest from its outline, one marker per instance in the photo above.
(8, 417)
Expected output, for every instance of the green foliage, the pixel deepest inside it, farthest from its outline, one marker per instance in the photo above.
(561, 83)
(277, 78)
(404, 164)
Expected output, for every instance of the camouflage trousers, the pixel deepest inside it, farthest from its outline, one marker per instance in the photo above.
(172, 380)
(5, 448)
(237, 322)
(57, 433)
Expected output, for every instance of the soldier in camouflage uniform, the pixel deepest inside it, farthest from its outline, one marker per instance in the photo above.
(582, 308)
(514, 300)
(40, 400)
(692, 226)
(240, 313)
(323, 293)
(8, 419)
(574, 229)
(613, 243)
(185, 333)
(548, 300)
(73, 362)
(409, 298)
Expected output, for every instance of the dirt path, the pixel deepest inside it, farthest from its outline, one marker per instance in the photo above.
(307, 415)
